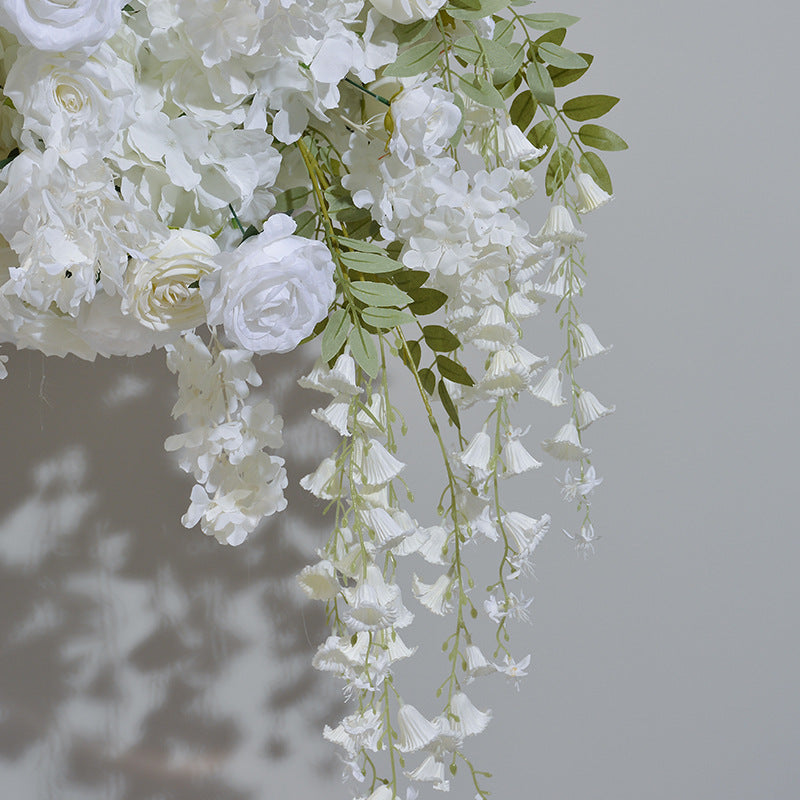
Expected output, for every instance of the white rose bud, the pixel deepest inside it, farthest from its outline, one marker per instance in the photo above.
(408, 10)
(163, 291)
(59, 25)
(272, 290)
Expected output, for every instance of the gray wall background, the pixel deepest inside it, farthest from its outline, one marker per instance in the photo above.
(139, 660)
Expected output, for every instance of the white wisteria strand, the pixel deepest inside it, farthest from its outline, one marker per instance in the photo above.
(220, 180)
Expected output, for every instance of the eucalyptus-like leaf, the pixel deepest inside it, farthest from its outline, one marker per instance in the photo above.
(415, 351)
(364, 351)
(385, 318)
(484, 8)
(540, 83)
(453, 371)
(288, 201)
(410, 279)
(485, 52)
(370, 262)
(426, 301)
(543, 134)
(593, 165)
(589, 106)
(523, 109)
(449, 405)
(440, 339)
(335, 334)
(563, 77)
(417, 59)
(601, 138)
(558, 169)
(547, 22)
(560, 56)
(427, 379)
(361, 246)
(408, 34)
(555, 36)
(306, 224)
(482, 92)
(379, 294)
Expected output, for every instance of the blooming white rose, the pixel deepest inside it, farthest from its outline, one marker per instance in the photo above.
(408, 10)
(59, 25)
(163, 291)
(272, 290)
(76, 104)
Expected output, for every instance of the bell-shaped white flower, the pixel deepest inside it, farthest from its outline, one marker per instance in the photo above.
(549, 387)
(521, 306)
(319, 582)
(429, 770)
(436, 596)
(383, 792)
(316, 378)
(517, 459)
(590, 195)
(526, 531)
(336, 414)
(414, 731)
(505, 375)
(342, 378)
(470, 720)
(492, 331)
(373, 422)
(516, 147)
(589, 409)
(587, 343)
(561, 281)
(373, 604)
(478, 453)
(385, 529)
(324, 482)
(376, 464)
(566, 444)
(559, 228)
(477, 664)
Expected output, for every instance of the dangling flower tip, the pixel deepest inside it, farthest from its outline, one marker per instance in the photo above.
(590, 195)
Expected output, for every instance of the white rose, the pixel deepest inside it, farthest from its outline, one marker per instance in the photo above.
(76, 104)
(408, 10)
(272, 290)
(163, 291)
(59, 25)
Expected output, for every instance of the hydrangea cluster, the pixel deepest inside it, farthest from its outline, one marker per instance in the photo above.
(220, 180)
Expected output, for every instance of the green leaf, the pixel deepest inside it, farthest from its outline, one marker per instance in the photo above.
(555, 36)
(543, 134)
(361, 246)
(306, 223)
(410, 279)
(385, 318)
(593, 165)
(563, 77)
(456, 137)
(379, 294)
(417, 59)
(508, 90)
(481, 91)
(335, 333)
(416, 354)
(370, 262)
(426, 301)
(453, 371)
(364, 351)
(407, 34)
(558, 169)
(523, 110)
(484, 9)
(359, 222)
(504, 32)
(540, 83)
(589, 106)
(601, 138)
(491, 54)
(427, 379)
(440, 339)
(291, 199)
(449, 405)
(560, 57)
(547, 22)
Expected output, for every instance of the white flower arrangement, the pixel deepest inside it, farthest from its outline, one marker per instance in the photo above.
(228, 179)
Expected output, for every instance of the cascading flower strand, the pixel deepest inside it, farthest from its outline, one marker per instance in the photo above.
(226, 180)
